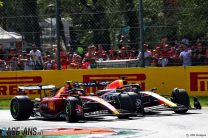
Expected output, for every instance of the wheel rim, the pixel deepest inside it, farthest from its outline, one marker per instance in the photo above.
(67, 109)
(15, 108)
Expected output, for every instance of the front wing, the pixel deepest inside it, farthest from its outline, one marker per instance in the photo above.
(165, 104)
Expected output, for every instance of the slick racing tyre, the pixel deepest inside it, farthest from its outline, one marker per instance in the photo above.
(125, 104)
(137, 102)
(181, 98)
(21, 107)
(73, 109)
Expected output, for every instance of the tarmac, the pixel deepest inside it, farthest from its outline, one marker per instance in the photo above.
(164, 124)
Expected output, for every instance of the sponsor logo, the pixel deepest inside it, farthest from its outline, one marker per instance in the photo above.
(131, 78)
(109, 96)
(9, 85)
(51, 105)
(199, 81)
(19, 132)
(138, 103)
(79, 110)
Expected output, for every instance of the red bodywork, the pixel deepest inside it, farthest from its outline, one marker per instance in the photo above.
(53, 106)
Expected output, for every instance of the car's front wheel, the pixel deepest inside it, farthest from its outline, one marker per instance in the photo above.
(181, 98)
(73, 109)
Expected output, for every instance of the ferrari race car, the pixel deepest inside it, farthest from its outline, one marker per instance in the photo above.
(117, 98)
(64, 102)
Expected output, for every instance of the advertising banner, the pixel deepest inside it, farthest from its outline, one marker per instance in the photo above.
(193, 79)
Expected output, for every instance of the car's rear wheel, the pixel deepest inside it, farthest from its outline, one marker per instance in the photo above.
(124, 105)
(181, 98)
(73, 109)
(137, 102)
(21, 107)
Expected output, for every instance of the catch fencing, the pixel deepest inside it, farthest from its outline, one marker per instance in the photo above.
(112, 24)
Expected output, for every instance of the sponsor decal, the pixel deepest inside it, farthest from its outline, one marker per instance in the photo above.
(79, 110)
(131, 78)
(51, 105)
(199, 81)
(9, 85)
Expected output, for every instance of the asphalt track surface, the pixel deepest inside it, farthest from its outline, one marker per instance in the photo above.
(164, 124)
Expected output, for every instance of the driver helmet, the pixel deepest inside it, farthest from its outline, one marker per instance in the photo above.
(68, 85)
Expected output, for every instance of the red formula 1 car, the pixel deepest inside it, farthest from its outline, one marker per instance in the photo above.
(66, 102)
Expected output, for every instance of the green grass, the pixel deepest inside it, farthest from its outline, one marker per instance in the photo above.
(203, 100)
(4, 104)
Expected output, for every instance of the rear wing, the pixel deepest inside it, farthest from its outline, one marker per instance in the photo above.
(22, 89)
(39, 87)
(91, 84)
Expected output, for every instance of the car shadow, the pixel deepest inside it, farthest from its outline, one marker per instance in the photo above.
(109, 118)
(88, 119)
(164, 113)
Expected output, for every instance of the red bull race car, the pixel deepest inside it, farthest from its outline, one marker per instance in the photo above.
(130, 98)
(72, 103)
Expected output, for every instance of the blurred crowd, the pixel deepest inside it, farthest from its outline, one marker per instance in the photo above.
(160, 55)
(177, 54)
